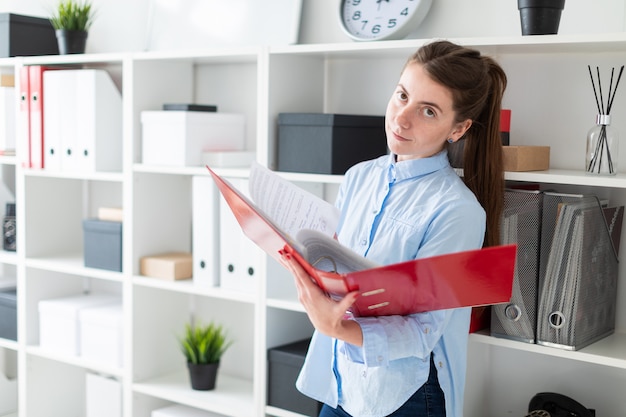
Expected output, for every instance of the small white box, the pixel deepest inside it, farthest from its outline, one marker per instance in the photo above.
(59, 329)
(103, 397)
(182, 411)
(178, 138)
(101, 334)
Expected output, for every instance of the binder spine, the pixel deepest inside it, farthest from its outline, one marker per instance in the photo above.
(521, 224)
(578, 270)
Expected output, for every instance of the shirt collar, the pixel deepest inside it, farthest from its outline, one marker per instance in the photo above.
(398, 171)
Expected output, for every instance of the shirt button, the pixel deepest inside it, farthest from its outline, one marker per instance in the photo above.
(364, 374)
(440, 364)
(426, 330)
(363, 242)
(380, 358)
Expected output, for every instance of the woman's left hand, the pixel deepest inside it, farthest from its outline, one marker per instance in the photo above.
(326, 314)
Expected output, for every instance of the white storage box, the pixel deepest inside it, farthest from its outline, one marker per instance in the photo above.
(178, 138)
(103, 396)
(182, 411)
(101, 334)
(59, 329)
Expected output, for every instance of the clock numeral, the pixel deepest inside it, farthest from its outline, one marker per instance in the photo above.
(356, 15)
(392, 23)
(376, 29)
(356, 2)
(405, 11)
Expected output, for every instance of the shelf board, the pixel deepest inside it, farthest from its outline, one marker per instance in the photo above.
(572, 177)
(8, 160)
(609, 351)
(8, 344)
(231, 396)
(75, 361)
(191, 171)
(284, 304)
(279, 412)
(71, 264)
(93, 176)
(7, 257)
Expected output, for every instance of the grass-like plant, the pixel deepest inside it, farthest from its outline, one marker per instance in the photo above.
(203, 344)
(73, 15)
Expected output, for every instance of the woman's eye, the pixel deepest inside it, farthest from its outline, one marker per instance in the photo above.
(401, 95)
(428, 112)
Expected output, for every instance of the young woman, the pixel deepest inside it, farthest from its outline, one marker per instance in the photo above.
(407, 205)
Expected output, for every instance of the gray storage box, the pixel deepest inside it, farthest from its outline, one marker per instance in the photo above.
(26, 36)
(322, 143)
(8, 313)
(103, 244)
(285, 363)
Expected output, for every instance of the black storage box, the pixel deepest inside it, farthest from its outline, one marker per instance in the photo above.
(8, 313)
(26, 36)
(285, 363)
(103, 244)
(322, 143)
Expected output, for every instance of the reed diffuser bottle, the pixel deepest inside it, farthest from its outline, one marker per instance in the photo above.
(603, 139)
(602, 147)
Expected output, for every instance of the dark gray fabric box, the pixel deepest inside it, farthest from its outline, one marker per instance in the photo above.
(8, 313)
(103, 244)
(26, 36)
(323, 143)
(285, 363)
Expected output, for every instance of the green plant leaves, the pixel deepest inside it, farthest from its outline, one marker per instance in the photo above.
(204, 344)
(73, 15)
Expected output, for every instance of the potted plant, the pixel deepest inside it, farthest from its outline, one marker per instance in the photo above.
(203, 346)
(71, 21)
(540, 17)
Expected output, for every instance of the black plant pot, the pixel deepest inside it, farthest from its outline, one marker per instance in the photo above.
(71, 41)
(540, 17)
(203, 376)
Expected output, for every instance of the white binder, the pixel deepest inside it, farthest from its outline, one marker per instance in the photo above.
(82, 121)
(240, 258)
(206, 231)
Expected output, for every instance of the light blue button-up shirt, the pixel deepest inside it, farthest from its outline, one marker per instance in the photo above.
(393, 212)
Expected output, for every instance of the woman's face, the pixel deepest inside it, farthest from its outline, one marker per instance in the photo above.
(420, 118)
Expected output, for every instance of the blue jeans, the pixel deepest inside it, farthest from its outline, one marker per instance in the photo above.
(428, 401)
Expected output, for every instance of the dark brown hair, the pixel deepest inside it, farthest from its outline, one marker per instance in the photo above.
(477, 84)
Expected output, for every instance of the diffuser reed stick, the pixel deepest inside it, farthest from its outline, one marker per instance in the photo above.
(602, 149)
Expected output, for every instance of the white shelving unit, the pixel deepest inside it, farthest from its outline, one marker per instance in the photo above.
(552, 101)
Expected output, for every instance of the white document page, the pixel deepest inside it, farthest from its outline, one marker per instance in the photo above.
(290, 207)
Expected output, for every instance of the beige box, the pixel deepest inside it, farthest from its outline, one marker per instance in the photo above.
(526, 158)
(171, 266)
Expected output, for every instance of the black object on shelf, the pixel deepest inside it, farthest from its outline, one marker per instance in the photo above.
(189, 107)
(8, 313)
(8, 228)
(324, 143)
(26, 36)
(285, 363)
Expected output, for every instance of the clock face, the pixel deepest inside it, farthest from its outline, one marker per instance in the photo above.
(370, 20)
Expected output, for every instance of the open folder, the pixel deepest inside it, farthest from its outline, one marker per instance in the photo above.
(462, 279)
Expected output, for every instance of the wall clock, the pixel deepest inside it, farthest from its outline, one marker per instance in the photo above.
(374, 20)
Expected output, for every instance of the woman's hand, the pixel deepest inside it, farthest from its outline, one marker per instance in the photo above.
(326, 314)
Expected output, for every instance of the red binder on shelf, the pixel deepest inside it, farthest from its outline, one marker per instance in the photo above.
(463, 279)
(35, 78)
(23, 135)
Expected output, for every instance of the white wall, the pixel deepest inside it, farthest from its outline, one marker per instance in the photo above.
(122, 25)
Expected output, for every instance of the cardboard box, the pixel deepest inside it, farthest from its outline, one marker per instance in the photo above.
(182, 411)
(172, 265)
(26, 36)
(59, 329)
(102, 244)
(526, 158)
(322, 143)
(8, 313)
(103, 396)
(101, 334)
(179, 138)
(285, 363)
